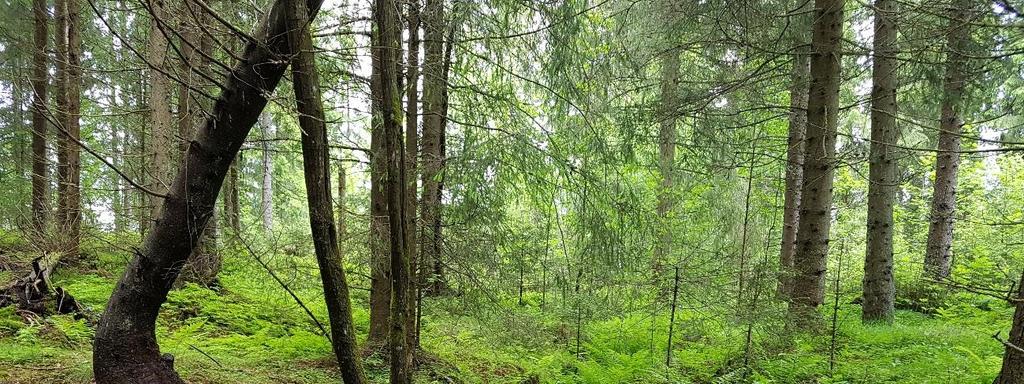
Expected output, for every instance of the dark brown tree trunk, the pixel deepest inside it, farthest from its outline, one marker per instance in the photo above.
(879, 288)
(385, 15)
(317, 169)
(434, 86)
(1013, 356)
(69, 69)
(380, 265)
(938, 254)
(819, 164)
(125, 348)
(40, 170)
(411, 155)
(798, 87)
(205, 263)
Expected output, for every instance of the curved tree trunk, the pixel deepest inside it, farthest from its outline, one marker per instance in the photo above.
(938, 254)
(879, 288)
(125, 348)
(819, 164)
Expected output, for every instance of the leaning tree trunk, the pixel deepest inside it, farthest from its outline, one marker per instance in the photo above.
(411, 155)
(1013, 357)
(380, 267)
(819, 164)
(798, 87)
(125, 348)
(879, 288)
(385, 16)
(40, 170)
(316, 166)
(938, 254)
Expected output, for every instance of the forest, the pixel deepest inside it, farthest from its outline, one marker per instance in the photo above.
(511, 191)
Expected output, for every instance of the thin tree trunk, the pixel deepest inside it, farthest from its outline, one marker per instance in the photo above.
(1012, 371)
(125, 348)
(938, 254)
(411, 155)
(385, 17)
(40, 171)
(798, 88)
(380, 265)
(233, 206)
(819, 164)
(879, 288)
(434, 85)
(315, 161)
(667, 136)
(267, 189)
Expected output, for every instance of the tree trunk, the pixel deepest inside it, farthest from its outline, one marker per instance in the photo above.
(232, 204)
(434, 85)
(938, 254)
(125, 348)
(819, 164)
(380, 265)
(411, 155)
(161, 143)
(879, 288)
(1012, 371)
(40, 171)
(316, 166)
(385, 15)
(798, 87)
(666, 153)
(267, 187)
(69, 102)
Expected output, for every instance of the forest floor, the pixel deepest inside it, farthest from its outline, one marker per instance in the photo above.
(250, 331)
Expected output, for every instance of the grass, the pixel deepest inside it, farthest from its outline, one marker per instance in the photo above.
(251, 331)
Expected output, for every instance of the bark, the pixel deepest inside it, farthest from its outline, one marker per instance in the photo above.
(125, 348)
(232, 205)
(69, 205)
(380, 265)
(411, 155)
(434, 85)
(879, 288)
(800, 73)
(385, 17)
(267, 186)
(205, 263)
(819, 164)
(40, 171)
(667, 137)
(1012, 371)
(316, 166)
(938, 254)
(161, 142)
(342, 205)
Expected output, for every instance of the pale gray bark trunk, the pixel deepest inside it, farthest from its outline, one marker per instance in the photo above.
(798, 88)
(819, 165)
(938, 254)
(267, 186)
(879, 288)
